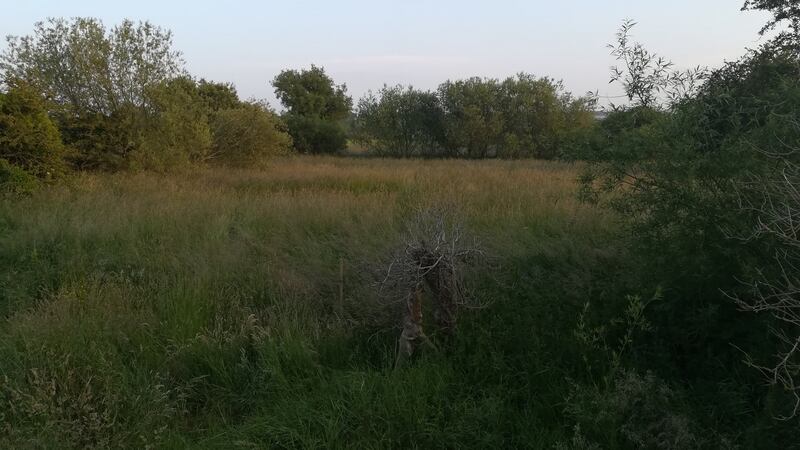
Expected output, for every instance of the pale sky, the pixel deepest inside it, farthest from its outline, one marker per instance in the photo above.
(368, 43)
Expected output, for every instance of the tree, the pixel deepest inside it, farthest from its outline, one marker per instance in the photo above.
(248, 135)
(315, 109)
(782, 11)
(537, 112)
(401, 121)
(474, 123)
(676, 175)
(522, 116)
(105, 86)
(648, 77)
(174, 128)
(218, 96)
(81, 65)
(28, 138)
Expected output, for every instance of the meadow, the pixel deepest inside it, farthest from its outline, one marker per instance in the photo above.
(238, 306)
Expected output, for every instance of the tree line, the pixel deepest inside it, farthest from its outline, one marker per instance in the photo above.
(76, 94)
(521, 116)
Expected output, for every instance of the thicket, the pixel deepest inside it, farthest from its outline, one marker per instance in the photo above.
(700, 166)
(521, 116)
(79, 94)
(316, 109)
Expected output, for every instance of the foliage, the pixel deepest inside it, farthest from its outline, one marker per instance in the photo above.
(28, 138)
(775, 202)
(782, 10)
(248, 136)
(204, 310)
(634, 412)
(672, 172)
(647, 77)
(311, 92)
(401, 121)
(311, 134)
(87, 68)
(175, 131)
(15, 180)
(107, 88)
(521, 116)
(315, 109)
(474, 124)
(218, 96)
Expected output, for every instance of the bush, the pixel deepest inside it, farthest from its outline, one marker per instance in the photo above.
(316, 109)
(14, 180)
(676, 177)
(174, 130)
(401, 122)
(521, 116)
(312, 134)
(248, 136)
(634, 412)
(28, 138)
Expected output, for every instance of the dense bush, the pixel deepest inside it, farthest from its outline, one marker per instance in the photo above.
(14, 180)
(401, 121)
(217, 96)
(522, 116)
(28, 138)
(175, 130)
(311, 134)
(248, 136)
(316, 109)
(106, 86)
(676, 173)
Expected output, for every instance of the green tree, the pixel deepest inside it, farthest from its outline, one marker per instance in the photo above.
(85, 67)
(102, 83)
(174, 129)
(315, 109)
(677, 176)
(474, 123)
(248, 136)
(782, 11)
(28, 138)
(218, 96)
(401, 121)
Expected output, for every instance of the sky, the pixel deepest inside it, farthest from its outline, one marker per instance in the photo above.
(366, 44)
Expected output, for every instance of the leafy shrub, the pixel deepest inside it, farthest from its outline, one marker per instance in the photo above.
(14, 180)
(401, 122)
(174, 130)
(248, 136)
(99, 80)
(312, 134)
(636, 412)
(28, 138)
(674, 177)
(521, 116)
(316, 109)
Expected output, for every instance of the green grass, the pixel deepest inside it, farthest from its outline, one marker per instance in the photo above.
(203, 311)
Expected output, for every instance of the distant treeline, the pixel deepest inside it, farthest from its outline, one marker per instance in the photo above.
(76, 94)
(521, 116)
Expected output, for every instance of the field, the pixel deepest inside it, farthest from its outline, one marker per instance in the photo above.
(226, 306)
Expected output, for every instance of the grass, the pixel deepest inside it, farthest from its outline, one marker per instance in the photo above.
(203, 311)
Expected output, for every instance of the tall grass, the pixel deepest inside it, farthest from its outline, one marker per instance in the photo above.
(205, 310)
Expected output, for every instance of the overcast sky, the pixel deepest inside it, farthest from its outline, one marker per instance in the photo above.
(368, 43)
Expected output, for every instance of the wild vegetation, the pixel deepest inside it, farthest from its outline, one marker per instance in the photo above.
(173, 276)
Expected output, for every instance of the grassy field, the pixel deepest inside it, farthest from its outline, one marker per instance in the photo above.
(204, 310)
